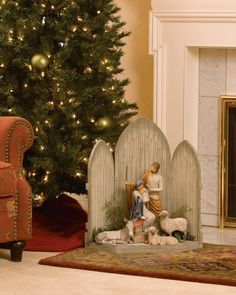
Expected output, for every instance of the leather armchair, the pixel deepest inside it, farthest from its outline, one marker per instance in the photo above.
(16, 136)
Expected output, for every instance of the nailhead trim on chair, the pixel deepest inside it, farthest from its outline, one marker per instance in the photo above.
(22, 148)
(30, 213)
(15, 218)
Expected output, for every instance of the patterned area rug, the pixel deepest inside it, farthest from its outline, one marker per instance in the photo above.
(214, 264)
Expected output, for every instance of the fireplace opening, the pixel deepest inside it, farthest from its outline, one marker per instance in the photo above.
(228, 161)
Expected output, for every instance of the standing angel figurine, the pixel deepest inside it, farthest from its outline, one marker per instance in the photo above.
(154, 182)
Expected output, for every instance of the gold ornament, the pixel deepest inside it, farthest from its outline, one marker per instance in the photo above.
(103, 122)
(40, 61)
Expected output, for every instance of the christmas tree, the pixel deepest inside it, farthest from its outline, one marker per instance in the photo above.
(59, 62)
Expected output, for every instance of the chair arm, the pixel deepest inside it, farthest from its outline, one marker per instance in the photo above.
(16, 136)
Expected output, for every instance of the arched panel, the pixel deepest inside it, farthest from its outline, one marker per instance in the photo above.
(100, 185)
(186, 186)
(141, 144)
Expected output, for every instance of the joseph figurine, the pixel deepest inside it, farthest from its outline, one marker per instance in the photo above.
(154, 182)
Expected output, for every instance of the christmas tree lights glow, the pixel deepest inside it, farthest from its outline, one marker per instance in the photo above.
(59, 63)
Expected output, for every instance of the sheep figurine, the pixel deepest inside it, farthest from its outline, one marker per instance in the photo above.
(155, 239)
(169, 225)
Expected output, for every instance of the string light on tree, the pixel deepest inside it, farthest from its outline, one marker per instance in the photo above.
(104, 61)
(28, 66)
(51, 103)
(88, 70)
(46, 178)
(109, 68)
(21, 38)
(43, 20)
(78, 174)
(74, 28)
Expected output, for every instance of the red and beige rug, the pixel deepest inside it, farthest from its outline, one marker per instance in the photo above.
(214, 264)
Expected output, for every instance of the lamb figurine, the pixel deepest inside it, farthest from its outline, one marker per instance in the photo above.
(169, 225)
(122, 236)
(155, 239)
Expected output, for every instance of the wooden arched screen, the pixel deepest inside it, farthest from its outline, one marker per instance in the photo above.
(100, 185)
(186, 186)
(140, 144)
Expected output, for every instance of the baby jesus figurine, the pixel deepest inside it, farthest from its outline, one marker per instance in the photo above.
(154, 183)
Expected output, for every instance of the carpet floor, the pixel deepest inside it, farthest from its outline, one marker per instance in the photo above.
(214, 264)
(58, 225)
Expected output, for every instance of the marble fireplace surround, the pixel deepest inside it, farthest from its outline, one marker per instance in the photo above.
(179, 30)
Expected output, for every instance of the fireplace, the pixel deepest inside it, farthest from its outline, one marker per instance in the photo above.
(228, 167)
(193, 43)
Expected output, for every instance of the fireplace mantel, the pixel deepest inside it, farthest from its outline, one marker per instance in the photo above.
(210, 6)
(177, 30)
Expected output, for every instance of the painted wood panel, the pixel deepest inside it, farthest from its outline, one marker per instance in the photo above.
(186, 185)
(141, 144)
(100, 185)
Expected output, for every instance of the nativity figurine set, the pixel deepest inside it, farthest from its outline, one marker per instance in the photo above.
(147, 218)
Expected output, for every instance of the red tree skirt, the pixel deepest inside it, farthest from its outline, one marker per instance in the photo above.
(59, 225)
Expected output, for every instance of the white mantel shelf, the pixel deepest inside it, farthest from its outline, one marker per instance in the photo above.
(188, 6)
(195, 16)
(194, 10)
(178, 28)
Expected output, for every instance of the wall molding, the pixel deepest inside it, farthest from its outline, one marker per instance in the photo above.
(194, 5)
(193, 16)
